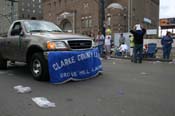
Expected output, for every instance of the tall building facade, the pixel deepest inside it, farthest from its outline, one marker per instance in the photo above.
(83, 16)
(30, 9)
(146, 12)
(8, 13)
(19, 9)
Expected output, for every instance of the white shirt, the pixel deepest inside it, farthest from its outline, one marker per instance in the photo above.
(99, 40)
(123, 48)
(108, 40)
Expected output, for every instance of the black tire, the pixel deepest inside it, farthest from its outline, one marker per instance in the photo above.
(3, 63)
(39, 67)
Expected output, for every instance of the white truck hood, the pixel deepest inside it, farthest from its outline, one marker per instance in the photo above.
(60, 36)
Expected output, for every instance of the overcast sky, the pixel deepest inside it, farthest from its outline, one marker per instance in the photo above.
(167, 8)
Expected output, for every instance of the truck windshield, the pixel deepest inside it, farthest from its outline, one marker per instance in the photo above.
(41, 26)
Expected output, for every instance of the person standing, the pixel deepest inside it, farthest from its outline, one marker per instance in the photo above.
(131, 38)
(121, 39)
(166, 42)
(138, 33)
(107, 44)
(99, 40)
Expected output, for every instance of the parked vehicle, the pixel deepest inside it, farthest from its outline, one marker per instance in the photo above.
(31, 40)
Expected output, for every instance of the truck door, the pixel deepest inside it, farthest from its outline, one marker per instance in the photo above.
(14, 42)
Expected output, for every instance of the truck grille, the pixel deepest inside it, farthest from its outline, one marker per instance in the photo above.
(80, 44)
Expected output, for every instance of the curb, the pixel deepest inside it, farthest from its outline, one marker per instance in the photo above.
(145, 59)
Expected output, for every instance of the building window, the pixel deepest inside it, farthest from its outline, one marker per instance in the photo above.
(108, 19)
(50, 14)
(33, 11)
(90, 23)
(33, 0)
(82, 22)
(39, 1)
(39, 6)
(86, 22)
(54, 3)
(22, 9)
(49, 5)
(59, 2)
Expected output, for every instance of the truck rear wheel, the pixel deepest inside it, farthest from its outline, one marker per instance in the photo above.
(3, 63)
(39, 67)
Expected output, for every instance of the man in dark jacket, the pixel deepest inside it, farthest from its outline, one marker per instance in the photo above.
(138, 34)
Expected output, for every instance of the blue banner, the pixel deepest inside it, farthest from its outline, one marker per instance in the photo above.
(73, 65)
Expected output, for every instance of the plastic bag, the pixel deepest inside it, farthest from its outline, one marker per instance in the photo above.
(21, 89)
(43, 102)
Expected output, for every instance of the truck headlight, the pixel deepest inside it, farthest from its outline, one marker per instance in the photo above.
(56, 45)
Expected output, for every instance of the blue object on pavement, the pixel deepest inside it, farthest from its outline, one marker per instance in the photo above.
(73, 65)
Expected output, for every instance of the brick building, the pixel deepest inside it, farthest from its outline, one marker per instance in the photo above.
(82, 16)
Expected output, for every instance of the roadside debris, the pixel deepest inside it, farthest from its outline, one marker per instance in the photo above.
(120, 92)
(157, 62)
(173, 62)
(144, 73)
(22, 89)
(43, 102)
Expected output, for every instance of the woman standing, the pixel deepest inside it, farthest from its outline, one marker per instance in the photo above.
(167, 45)
(108, 39)
(99, 40)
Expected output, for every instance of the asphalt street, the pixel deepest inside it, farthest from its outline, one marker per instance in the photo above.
(124, 89)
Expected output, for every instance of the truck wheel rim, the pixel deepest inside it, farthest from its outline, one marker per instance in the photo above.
(36, 67)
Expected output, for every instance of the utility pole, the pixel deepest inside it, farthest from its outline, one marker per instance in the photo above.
(12, 9)
(102, 15)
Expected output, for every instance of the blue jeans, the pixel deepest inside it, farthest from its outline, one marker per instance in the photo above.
(100, 48)
(138, 53)
(166, 52)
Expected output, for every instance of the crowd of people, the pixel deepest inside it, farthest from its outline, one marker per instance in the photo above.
(136, 47)
(104, 44)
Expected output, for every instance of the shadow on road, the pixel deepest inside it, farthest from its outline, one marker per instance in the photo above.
(19, 69)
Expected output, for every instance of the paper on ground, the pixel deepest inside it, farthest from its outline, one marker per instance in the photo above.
(22, 89)
(43, 102)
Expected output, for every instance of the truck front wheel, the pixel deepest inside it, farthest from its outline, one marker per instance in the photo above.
(39, 67)
(3, 63)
